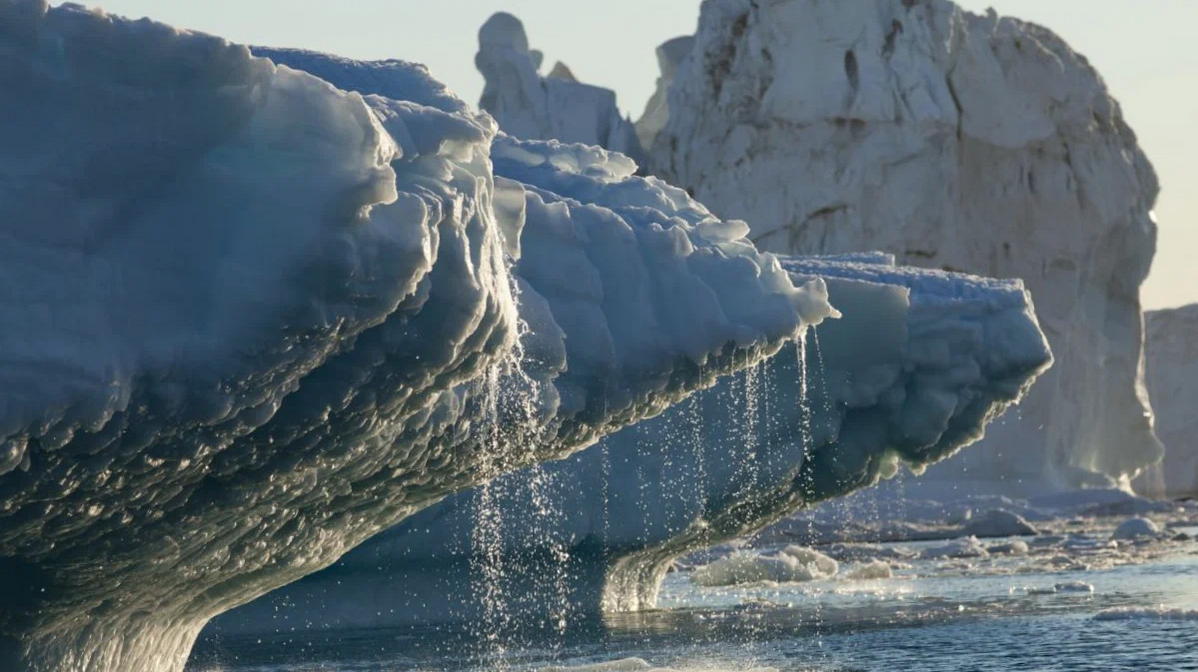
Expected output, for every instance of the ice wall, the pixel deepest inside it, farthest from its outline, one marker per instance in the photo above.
(1172, 375)
(554, 107)
(955, 141)
(920, 363)
(657, 111)
(252, 320)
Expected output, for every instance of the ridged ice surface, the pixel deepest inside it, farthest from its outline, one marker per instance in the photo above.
(251, 320)
(918, 366)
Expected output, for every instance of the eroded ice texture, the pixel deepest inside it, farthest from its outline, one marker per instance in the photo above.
(953, 140)
(251, 320)
(916, 368)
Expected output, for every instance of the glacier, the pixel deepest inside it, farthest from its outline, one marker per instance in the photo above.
(1172, 372)
(253, 320)
(919, 364)
(957, 141)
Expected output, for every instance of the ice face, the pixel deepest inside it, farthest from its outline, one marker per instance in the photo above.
(254, 320)
(1171, 375)
(956, 141)
(916, 368)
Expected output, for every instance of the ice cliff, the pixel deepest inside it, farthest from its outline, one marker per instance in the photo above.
(252, 320)
(920, 363)
(956, 141)
(553, 107)
(1172, 374)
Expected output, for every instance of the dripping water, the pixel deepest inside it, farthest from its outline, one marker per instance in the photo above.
(487, 531)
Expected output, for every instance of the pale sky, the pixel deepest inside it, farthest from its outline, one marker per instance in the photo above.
(1143, 48)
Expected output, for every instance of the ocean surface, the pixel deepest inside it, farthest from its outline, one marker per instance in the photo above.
(1073, 602)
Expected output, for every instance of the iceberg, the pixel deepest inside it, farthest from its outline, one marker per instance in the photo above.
(918, 365)
(956, 141)
(552, 107)
(252, 320)
(1172, 374)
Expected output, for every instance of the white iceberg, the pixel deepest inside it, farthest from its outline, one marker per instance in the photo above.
(553, 107)
(916, 368)
(252, 320)
(956, 141)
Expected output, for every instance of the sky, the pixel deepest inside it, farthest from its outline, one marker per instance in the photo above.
(1143, 48)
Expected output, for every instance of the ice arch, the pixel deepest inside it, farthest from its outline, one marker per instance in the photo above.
(918, 366)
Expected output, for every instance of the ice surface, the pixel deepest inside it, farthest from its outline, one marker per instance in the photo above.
(870, 571)
(252, 320)
(1016, 547)
(1135, 528)
(918, 365)
(953, 140)
(1172, 376)
(792, 564)
(1161, 613)
(998, 523)
(968, 547)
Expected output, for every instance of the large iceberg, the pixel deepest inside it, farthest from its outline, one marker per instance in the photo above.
(918, 366)
(956, 141)
(252, 320)
(1172, 373)
(552, 107)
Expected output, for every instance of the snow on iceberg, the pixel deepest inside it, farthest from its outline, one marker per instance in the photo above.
(252, 320)
(956, 141)
(916, 368)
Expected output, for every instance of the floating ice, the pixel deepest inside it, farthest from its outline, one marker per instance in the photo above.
(960, 548)
(916, 368)
(793, 564)
(1135, 528)
(1161, 613)
(998, 523)
(1016, 547)
(1063, 587)
(871, 571)
(252, 320)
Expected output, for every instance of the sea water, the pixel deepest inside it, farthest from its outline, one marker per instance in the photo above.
(1075, 602)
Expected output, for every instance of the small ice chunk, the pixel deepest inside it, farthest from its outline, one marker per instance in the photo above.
(1150, 613)
(622, 665)
(1015, 547)
(999, 523)
(1136, 528)
(968, 547)
(871, 571)
(1063, 587)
